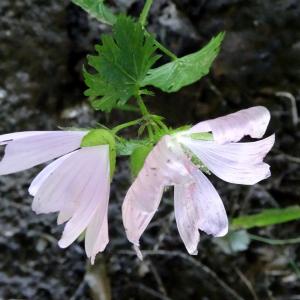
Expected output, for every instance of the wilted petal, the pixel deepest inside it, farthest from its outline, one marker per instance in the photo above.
(213, 218)
(163, 166)
(240, 163)
(136, 219)
(187, 216)
(29, 150)
(95, 194)
(233, 127)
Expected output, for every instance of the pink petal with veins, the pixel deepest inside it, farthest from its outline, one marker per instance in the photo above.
(233, 127)
(198, 206)
(77, 186)
(96, 235)
(187, 216)
(162, 167)
(45, 173)
(240, 163)
(93, 197)
(26, 150)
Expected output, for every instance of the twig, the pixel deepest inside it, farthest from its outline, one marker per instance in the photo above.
(157, 278)
(78, 292)
(247, 283)
(151, 291)
(164, 231)
(196, 263)
(292, 99)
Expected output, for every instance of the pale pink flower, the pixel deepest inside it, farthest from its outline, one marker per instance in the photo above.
(197, 204)
(76, 185)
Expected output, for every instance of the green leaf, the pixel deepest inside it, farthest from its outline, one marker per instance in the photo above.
(267, 217)
(98, 10)
(97, 88)
(121, 65)
(186, 70)
(138, 157)
(97, 137)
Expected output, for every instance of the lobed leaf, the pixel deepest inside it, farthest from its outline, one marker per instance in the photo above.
(186, 70)
(121, 64)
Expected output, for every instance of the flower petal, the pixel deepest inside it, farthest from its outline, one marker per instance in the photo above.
(136, 219)
(63, 185)
(30, 150)
(213, 218)
(44, 174)
(233, 127)
(6, 138)
(240, 163)
(187, 216)
(93, 198)
(96, 235)
(164, 166)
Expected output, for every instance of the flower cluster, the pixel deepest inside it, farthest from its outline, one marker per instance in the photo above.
(76, 184)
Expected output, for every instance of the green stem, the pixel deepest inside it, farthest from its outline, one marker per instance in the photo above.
(162, 48)
(274, 242)
(143, 21)
(145, 12)
(162, 125)
(125, 125)
(145, 114)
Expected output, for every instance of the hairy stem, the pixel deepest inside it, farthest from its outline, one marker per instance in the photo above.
(143, 21)
(163, 49)
(145, 12)
(125, 125)
(145, 114)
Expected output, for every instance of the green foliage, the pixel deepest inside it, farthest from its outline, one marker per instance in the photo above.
(98, 10)
(267, 217)
(123, 60)
(127, 147)
(97, 137)
(186, 70)
(137, 158)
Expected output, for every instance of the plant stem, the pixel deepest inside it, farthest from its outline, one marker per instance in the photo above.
(143, 21)
(145, 12)
(162, 48)
(145, 113)
(125, 125)
(165, 50)
(274, 241)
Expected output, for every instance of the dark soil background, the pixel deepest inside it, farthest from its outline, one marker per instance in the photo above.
(43, 45)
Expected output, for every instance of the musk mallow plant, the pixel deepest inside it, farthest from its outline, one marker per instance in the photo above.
(76, 183)
(181, 159)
